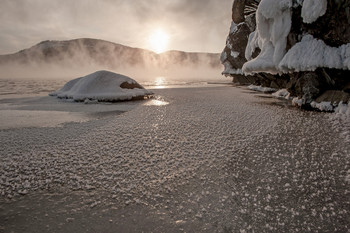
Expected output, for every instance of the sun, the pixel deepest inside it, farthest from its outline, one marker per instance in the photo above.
(158, 40)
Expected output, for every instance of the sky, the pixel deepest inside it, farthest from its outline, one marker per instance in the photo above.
(188, 25)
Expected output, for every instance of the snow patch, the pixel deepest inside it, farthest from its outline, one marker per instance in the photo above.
(343, 109)
(297, 102)
(228, 44)
(323, 106)
(234, 54)
(102, 86)
(313, 9)
(233, 27)
(261, 89)
(273, 26)
(229, 70)
(223, 57)
(282, 93)
(234, 71)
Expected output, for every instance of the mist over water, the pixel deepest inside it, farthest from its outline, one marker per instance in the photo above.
(66, 60)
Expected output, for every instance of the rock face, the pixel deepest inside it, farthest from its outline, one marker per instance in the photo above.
(312, 61)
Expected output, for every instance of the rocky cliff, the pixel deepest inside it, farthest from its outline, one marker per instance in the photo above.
(300, 45)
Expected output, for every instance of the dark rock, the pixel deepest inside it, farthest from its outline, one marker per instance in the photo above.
(347, 88)
(245, 79)
(333, 96)
(340, 78)
(134, 85)
(238, 41)
(238, 11)
(309, 85)
(333, 27)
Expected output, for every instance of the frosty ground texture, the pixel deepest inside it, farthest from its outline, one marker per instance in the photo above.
(208, 160)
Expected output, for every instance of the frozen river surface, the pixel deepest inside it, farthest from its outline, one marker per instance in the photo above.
(214, 159)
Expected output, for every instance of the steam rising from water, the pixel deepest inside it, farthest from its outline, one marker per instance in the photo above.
(76, 58)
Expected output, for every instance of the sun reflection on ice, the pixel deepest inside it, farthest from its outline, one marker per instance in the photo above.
(155, 102)
(160, 82)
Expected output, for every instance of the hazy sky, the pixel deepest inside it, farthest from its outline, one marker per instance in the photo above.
(192, 25)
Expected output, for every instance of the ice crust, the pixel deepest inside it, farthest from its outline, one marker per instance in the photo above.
(192, 160)
(101, 86)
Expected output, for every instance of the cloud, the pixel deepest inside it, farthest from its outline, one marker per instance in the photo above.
(194, 25)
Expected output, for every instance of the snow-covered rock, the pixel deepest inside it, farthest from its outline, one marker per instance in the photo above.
(102, 86)
(274, 21)
(313, 53)
(299, 45)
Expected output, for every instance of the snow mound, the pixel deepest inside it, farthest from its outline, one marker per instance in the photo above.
(313, 9)
(102, 86)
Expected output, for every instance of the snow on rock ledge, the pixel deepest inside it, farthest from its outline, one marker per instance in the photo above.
(311, 53)
(102, 86)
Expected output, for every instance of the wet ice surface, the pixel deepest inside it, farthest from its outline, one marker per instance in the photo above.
(201, 160)
(39, 111)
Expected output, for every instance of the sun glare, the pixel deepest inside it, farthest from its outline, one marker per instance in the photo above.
(158, 41)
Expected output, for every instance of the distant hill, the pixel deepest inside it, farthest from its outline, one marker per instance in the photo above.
(108, 55)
